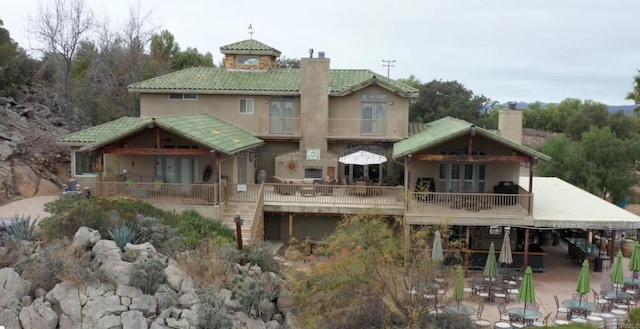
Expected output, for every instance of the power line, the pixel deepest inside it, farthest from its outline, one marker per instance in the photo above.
(388, 63)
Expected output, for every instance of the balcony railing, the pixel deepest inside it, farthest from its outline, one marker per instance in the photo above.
(364, 128)
(161, 193)
(490, 203)
(278, 126)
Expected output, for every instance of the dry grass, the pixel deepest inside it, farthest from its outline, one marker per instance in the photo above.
(209, 264)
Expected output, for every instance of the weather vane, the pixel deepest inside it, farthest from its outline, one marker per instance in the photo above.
(251, 31)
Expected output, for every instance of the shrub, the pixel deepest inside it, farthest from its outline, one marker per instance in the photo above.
(210, 263)
(196, 229)
(22, 228)
(166, 239)
(634, 316)
(212, 313)
(147, 275)
(437, 321)
(261, 255)
(250, 291)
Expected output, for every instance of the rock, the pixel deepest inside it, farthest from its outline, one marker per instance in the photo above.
(9, 305)
(291, 321)
(249, 322)
(6, 150)
(178, 324)
(108, 258)
(228, 302)
(40, 293)
(26, 179)
(7, 100)
(85, 238)
(118, 272)
(273, 325)
(105, 251)
(147, 304)
(26, 301)
(38, 315)
(12, 282)
(47, 187)
(286, 301)
(107, 322)
(65, 297)
(188, 300)
(175, 276)
(266, 309)
(166, 297)
(125, 301)
(254, 270)
(124, 290)
(101, 307)
(158, 325)
(133, 320)
(190, 316)
(144, 250)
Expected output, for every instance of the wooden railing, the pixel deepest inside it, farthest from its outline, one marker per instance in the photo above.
(364, 128)
(257, 227)
(334, 194)
(161, 193)
(278, 126)
(434, 202)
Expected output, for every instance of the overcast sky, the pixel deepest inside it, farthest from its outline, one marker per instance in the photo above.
(520, 50)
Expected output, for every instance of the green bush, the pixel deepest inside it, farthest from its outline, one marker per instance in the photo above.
(166, 239)
(147, 275)
(197, 229)
(212, 314)
(262, 256)
(634, 316)
(22, 228)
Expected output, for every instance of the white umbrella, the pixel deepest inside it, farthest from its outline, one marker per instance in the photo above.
(436, 252)
(505, 252)
(363, 158)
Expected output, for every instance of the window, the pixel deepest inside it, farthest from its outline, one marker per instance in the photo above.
(247, 60)
(193, 97)
(85, 162)
(461, 177)
(246, 106)
(313, 172)
(374, 114)
(495, 230)
(281, 115)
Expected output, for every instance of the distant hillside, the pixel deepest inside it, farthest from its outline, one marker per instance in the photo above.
(628, 109)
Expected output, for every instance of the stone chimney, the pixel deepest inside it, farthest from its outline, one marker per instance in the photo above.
(314, 102)
(510, 123)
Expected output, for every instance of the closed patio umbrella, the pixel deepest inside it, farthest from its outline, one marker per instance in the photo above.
(634, 261)
(458, 288)
(491, 267)
(584, 284)
(617, 276)
(436, 252)
(505, 251)
(527, 294)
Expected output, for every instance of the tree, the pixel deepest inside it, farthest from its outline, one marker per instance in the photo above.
(191, 58)
(411, 81)
(634, 95)
(61, 25)
(288, 63)
(163, 48)
(448, 98)
(16, 68)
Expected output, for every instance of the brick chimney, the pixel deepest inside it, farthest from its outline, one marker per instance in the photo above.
(510, 123)
(314, 102)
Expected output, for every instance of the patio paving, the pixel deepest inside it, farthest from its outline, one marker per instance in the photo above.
(560, 278)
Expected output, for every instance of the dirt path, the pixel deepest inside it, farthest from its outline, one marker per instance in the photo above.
(33, 207)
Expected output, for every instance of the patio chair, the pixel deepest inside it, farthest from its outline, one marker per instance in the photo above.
(601, 303)
(517, 321)
(578, 296)
(478, 314)
(543, 323)
(501, 292)
(621, 303)
(484, 292)
(560, 309)
(533, 306)
(504, 316)
(630, 288)
(606, 286)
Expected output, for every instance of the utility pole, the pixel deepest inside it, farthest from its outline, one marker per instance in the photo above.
(388, 63)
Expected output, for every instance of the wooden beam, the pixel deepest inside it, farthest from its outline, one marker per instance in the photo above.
(473, 158)
(290, 226)
(154, 151)
(158, 138)
(526, 249)
(467, 253)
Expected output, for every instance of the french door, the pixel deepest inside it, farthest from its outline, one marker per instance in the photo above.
(462, 177)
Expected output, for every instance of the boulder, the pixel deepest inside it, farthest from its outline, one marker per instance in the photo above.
(124, 290)
(133, 320)
(157, 325)
(47, 187)
(146, 304)
(65, 297)
(190, 316)
(144, 250)
(178, 324)
(26, 179)
(98, 308)
(175, 277)
(117, 272)
(228, 302)
(286, 301)
(85, 238)
(188, 300)
(38, 315)
(166, 297)
(11, 281)
(7, 100)
(9, 306)
(106, 322)
(105, 251)
(6, 150)
(273, 325)
(249, 322)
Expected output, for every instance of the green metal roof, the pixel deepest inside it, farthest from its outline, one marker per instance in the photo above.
(445, 129)
(249, 45)
(199, 128)
(218, 80)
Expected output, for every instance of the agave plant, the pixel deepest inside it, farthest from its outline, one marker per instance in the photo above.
(22, 228)
(123, 235)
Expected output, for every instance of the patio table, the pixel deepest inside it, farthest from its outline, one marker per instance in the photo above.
(461, 309)
(572, 303)
(526, 314)
(612, 294)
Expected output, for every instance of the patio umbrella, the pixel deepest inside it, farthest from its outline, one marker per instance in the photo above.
(491, 267)
(505, 251)
(584, 285)
(634, 261)
(458, 288)
(527, 294)
(617, 276)
(436, 252)
(363, 158)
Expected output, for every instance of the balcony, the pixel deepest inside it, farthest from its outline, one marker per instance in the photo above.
(279, 126)
(367, 128)
(161, 193)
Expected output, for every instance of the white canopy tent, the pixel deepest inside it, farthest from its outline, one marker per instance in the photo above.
(363, 158)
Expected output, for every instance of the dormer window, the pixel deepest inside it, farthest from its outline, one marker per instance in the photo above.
(247, 60)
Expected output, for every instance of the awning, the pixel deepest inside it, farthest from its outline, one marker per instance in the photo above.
(558, 204)
(363, 158)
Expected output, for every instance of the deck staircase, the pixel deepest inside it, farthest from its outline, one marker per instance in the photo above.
(246, 210)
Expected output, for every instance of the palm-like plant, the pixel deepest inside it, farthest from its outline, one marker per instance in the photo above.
(634, 95)
(22, 228)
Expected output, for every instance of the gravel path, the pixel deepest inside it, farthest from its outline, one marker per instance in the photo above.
(33, 207)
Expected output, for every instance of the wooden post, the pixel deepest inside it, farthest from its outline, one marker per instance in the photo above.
(238, 220)
(290, 226)
(638, 235)
(467, 249)
(612, 245)
(526, 249)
